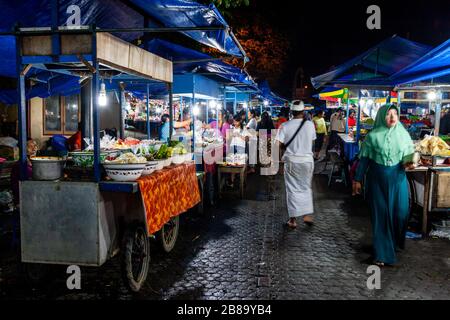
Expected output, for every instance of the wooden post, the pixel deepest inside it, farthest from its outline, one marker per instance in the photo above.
(426, 196)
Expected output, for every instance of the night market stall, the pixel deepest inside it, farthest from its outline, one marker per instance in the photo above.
(362, 84)
(423, 86)
(128, 190)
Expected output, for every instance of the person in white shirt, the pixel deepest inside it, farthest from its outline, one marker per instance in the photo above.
(251, 126)
(297, 138)
(252, 123)
(337, 125)
(238, 137)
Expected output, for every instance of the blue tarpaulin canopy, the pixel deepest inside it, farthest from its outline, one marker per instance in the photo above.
(267, 93)
(117, 14)
(190, 61)
(434, 64)
(376, 64)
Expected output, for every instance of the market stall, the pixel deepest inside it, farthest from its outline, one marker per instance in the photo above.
(115, 195)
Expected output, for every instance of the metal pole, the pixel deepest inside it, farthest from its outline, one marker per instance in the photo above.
(181, 108)
(207, 112)
(437, 114)
(148, 112)
(22, 116)
(224, 107)
(358, 119)
(95, 107)
(171, 113)
(192, 113)
(122, 124)
(42, 31)
(348, 112)
(234, 103)
(56, 47)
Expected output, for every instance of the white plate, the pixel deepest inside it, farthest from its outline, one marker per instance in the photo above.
(188, 157)
(125, 166)
(167, 162)
(123, 175)
(160, 164)
(150, 168)
(178, 159)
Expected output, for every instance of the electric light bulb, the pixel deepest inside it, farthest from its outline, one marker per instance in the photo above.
(431, 95)
(196, 111)
(102, 96)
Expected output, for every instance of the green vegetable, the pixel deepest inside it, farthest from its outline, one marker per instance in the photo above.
(162, 152)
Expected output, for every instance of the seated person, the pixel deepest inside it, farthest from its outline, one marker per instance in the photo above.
(74, 142)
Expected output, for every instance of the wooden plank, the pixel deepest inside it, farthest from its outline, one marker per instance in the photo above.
(125, 56)
(36, 45)
(76, 44)
(113, 50)
(443, 190)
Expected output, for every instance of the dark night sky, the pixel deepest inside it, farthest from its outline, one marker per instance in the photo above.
(327, 33)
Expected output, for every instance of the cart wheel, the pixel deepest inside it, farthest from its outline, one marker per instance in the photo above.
(135, 256)
(169, 234)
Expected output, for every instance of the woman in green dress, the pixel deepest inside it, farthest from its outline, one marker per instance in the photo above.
(385, 154)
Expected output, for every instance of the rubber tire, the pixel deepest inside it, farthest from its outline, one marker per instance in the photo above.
(127, 250)
(168, 247)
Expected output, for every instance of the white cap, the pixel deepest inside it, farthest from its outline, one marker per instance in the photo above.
(297, 105)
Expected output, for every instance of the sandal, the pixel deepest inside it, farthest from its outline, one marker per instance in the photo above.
(379, 264)
(292, 225)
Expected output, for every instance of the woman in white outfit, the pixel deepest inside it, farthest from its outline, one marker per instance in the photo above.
(297, 139)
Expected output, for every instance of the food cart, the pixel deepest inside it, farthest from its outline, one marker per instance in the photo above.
(430, 181)
(87, 222)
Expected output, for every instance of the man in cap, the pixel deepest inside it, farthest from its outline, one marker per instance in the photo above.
(296, 138)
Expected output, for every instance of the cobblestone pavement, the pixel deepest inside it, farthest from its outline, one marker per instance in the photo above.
(242, 250)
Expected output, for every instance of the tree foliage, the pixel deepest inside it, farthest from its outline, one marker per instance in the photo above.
(231, 3)
(266, 47)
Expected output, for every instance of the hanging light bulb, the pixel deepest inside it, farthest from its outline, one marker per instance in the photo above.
(212, 104)
(266, 103)
(245, 105)
(102, 95)
(196, 110)
(432, 95)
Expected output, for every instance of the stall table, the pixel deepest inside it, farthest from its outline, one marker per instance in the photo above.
(350, 145)
(240, 170)
(430, 187)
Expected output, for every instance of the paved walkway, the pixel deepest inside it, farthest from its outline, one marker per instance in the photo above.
(243, 251)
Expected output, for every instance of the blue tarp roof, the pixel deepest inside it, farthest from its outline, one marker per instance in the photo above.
(379, 62)
(269, 95)
(115, 14)
(188, 13)
(189, 61)
(434, 64)
(118, 14)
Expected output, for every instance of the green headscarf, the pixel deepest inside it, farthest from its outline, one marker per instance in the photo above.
(388, 146)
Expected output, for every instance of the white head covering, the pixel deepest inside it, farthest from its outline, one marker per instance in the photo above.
(297, 105)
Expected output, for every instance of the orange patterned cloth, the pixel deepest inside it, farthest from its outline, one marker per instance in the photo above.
(168, 193)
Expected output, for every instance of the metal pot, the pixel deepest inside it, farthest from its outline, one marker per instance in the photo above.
(47, 169)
